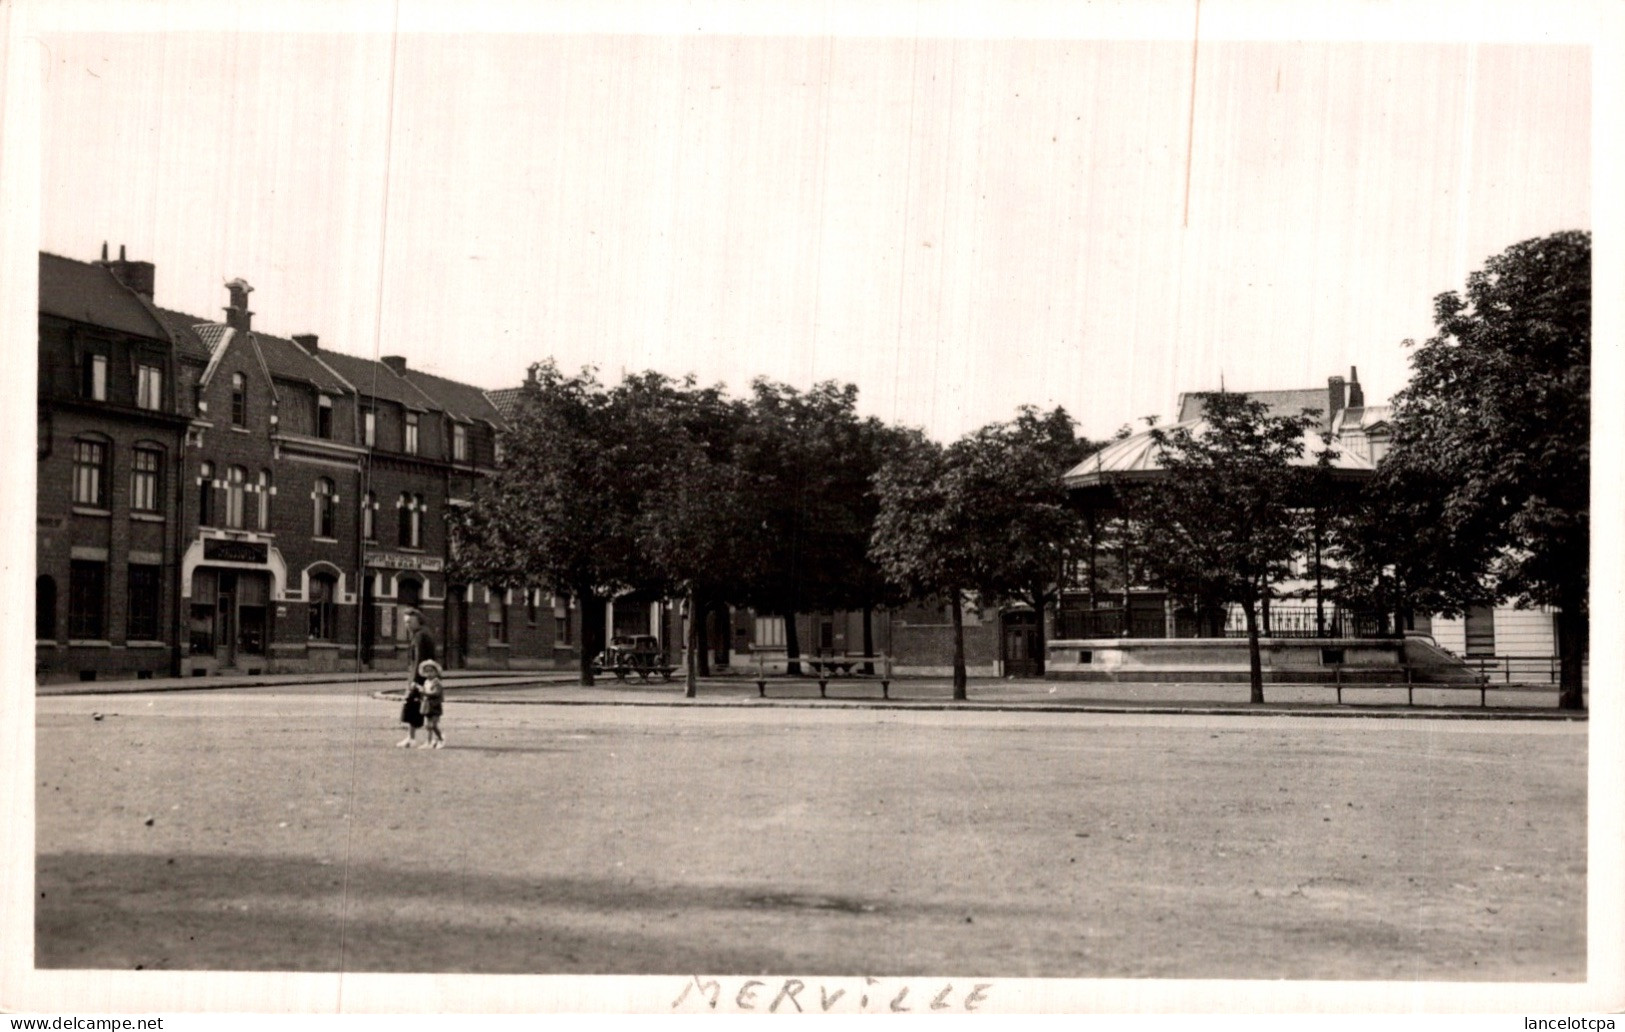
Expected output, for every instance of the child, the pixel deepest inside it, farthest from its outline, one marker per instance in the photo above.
(411, 714)
(433, 702)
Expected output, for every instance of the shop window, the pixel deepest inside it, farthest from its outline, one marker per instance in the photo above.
(322, 590)
(90, 473)
(201, 619)
(45, 608)
(145, 473)
(87, 600)
(145, 603)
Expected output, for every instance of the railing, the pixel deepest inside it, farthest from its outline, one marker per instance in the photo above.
(1522, 669)
(1110, 623)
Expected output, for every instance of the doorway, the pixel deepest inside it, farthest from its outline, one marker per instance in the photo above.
(1020, 643)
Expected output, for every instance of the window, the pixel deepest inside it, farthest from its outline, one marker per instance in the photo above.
(324, 498)
(411, 447)
(149, 387)
(239, 399)
(324, 416)
(369, 517)
(45, 608)
(369, 428)
(200, 620)
(496, 451)
(459, 442)
(409, 515)
(205, 495)
(531, 601)
(497, 615)
(144, 603)
(93, 384)
(87, 599)
(561, 620)
(236, 478)
(322, 589)
(262, 498)
(144, 480)
(89, 473)
(1480, 631)
(770, 631)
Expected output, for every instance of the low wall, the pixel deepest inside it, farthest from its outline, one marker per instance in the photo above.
(1284, 660)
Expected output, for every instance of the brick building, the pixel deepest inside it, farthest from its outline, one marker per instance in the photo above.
(109, 443)
(216, 499)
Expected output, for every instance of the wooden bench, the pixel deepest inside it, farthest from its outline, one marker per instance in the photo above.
(825, 668)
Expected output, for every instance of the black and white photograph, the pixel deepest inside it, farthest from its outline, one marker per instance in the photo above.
(917, 508)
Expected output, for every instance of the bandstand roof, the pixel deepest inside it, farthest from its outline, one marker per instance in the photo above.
(1138, 458)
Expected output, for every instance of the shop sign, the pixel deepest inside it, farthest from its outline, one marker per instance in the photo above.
(404, 561)
(225, 550)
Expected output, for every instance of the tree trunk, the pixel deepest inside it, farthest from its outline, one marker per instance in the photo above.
(1038, 652)
(1255, 662)
(868, 636)
(592, 642)
(958, 607)
(792, 647)
(700, 613)
(725, 632)
(1572, 621)
(693, 658)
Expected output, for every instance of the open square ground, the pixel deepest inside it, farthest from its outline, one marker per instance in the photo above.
(282, 830)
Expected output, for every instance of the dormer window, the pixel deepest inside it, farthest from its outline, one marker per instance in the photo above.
(459, 442)
(324, 416)
(149, 387)
(94, 378)
(369, 429)
(411, 447)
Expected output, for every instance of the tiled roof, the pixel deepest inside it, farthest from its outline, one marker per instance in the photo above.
(459, 399)
(286, 359)
(377, 380)
(1138, 457)
(189, 333)
(1281, 403)
(506, 400)
(88, 293)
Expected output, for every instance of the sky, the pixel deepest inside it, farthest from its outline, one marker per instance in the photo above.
(959, 224)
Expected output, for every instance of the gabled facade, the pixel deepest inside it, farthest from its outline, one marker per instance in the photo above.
(108, 464)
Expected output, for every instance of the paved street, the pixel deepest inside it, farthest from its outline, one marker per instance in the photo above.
(279, 828)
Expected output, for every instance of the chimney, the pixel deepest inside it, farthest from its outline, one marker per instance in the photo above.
(238, 317)
(1334, 398)
(306, 341)
(138, 276)
(1356, 395)
(395, 362)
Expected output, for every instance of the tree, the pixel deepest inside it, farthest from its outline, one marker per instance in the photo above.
(1013, 475)
(1492, 440)
(1224, 522)
(810, 457)
(562, 509)
(693, 530)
